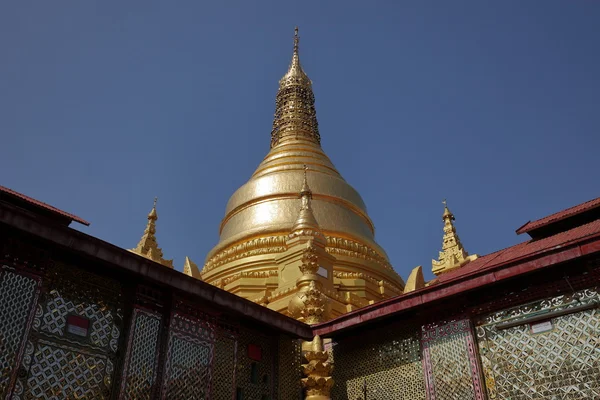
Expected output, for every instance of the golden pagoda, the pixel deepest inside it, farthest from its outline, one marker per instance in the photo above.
(256, 257)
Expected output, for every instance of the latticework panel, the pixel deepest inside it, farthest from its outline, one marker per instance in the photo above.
(257, 385)
(561, 363)
(188, 369)
(62, 372)
(290, 360)
(140, 368)
(223, 382)
(103, 330)
(189, 359)
(17, 295)
(384, 364)
(450, 361)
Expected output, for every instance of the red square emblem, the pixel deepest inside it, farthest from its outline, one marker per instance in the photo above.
(254, 352)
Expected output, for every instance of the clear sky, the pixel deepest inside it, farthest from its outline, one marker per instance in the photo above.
(492, 105)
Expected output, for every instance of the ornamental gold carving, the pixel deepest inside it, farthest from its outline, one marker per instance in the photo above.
(318, 381)
(362, 275)
(258, 246)
(310, 260)
(276, 244)
(453, 254)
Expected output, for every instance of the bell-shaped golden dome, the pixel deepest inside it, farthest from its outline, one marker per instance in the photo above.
(262, 212)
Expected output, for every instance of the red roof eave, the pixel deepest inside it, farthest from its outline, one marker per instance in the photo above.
(559, 216)
(43, 205)
(459, 284)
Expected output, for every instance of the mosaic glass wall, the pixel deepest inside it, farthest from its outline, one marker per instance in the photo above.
(561, 361)
(225, 355)
(187, 372)
(63, 360)
(142, 356)
(383, 364)
(17, 298)
(289, 386)
(451, 366)
(254, 378)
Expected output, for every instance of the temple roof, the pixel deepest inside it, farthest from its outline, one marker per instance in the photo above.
(36, 205)
(569, 217)
(517, 260)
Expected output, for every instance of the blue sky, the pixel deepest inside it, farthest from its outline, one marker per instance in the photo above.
(492, 105)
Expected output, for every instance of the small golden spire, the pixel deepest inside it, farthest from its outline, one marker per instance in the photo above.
(148, 246)
(453, 254)
(295, 114)
(306, 220)
(190, 268)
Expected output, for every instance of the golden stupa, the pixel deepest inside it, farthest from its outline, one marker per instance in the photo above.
(261, 248)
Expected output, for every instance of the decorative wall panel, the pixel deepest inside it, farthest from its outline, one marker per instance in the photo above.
(223, 383)
(63, 372)
(63, 361)
(384, 364)
(450, 361)
(142, 356)
(560, 363)
(289, 362)
(104, 333)
(18, 295)
(260, 388)
(189, 359)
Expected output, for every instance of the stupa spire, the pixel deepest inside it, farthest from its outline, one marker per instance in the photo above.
(148, 246)
(295, 114)
(453, 254)
(306, 220)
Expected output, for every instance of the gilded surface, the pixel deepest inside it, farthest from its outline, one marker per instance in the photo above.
(384, 364)
(261, 214)
(318, 369)
(415, 280)
(148, 246)
(562, 363)
(295, 113)
(453, 254)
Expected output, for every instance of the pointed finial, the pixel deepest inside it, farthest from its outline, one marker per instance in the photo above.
(447, 214)
(305, 192)
(295, 115)
(305, 188)
(153, 215)
(148, 247)
(296, 40)
(453, 254)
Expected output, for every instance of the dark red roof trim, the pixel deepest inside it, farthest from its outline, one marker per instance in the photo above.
(559, 216)
(484, 271)
(43, 205)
